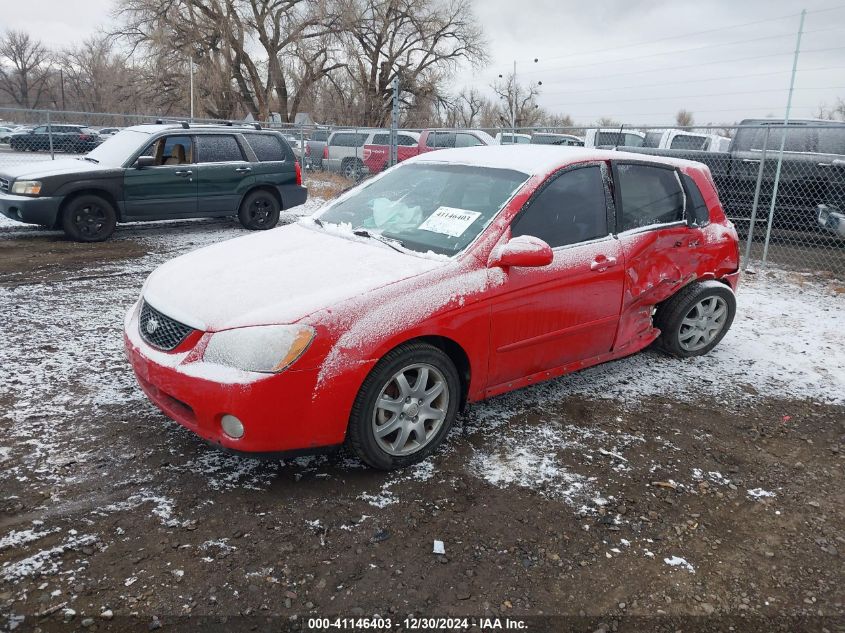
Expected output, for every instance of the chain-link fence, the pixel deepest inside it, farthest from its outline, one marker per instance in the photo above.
(783, 186)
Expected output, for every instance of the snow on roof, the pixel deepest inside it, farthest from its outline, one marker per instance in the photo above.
(534, 159)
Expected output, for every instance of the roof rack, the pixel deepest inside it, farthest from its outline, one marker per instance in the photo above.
(252, 124)
(184, 124)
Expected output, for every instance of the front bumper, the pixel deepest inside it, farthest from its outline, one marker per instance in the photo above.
(280, 412)
(30, 210)
(832, 219)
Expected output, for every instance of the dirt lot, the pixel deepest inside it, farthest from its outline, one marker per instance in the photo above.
(648, 494)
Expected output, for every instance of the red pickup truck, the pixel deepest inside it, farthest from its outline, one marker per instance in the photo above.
(409, 144)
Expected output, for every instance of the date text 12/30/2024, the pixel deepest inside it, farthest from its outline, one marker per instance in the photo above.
(415, 624)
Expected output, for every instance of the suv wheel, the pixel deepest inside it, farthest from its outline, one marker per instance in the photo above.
(405, 407)
(259, 211)
(695, 320)
(352, 169)
(89, 218)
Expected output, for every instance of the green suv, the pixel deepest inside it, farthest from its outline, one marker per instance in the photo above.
(159, 172)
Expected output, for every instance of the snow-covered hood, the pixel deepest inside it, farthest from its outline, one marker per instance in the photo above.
(277, 276)
(47, 168)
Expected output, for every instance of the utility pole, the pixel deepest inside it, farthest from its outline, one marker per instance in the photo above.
(191, 70)
(394, 123)
(783, 136)
(62, 84)
(513, 99)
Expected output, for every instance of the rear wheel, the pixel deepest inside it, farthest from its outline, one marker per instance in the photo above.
(89, 218)
(695, 320)
(405, 407)
(259, 211)
(353, 169)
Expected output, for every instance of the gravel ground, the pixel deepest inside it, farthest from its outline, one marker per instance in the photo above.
(646, 494)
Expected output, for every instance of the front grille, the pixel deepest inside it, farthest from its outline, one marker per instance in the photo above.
(4, 185)
(160, 330)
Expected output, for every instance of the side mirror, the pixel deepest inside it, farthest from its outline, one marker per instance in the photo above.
(525, 251)
(145, 161)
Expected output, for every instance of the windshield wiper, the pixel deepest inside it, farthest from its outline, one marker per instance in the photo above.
(388, 241)
(318, 222)
(93, 160)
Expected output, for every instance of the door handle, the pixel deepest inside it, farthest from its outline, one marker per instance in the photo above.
(243, 169)
(183, 172)
(602, 263)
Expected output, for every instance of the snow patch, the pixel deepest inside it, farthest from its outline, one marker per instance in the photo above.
(677, 561)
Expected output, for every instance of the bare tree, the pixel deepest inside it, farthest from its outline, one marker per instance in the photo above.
(268, 52)
(683, 118)
(419, 41)
(607, 122)
(25, 69)
(518, 105)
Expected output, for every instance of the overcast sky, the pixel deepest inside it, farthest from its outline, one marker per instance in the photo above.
(637, 61)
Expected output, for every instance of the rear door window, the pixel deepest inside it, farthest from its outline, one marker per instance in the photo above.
(218, 148)
(571, 209)
(688, 141)
(440, 139)
(381, 139)
(467, 140)
(649, 196)
(267, 147)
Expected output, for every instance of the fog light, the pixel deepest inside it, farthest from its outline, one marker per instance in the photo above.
(232, 426)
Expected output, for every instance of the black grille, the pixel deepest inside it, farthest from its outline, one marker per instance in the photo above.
(161, 331)
(4, 185)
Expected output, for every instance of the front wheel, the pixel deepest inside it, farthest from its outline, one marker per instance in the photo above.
(405, 407)
(259, 211)
(89, 218)
(694, 321)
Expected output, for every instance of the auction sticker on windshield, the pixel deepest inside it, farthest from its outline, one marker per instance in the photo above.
(449, 221)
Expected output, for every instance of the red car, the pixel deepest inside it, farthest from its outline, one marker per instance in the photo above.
(459, 275)
(377, 155)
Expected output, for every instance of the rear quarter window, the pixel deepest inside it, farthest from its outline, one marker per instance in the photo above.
(696, 207)
(267, 147)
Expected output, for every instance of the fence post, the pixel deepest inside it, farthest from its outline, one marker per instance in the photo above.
(756, 199)
(302, 152)
(50, 136)
(394, 124)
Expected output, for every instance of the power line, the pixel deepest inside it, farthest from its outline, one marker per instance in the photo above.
(688, 81)
(676, 37)
(669, 52)
(715, 94)
(721, 61)
(627, 116)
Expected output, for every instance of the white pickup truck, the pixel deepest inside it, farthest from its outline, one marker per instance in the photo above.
(682, 139)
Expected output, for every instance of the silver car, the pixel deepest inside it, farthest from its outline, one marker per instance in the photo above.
(346, 152)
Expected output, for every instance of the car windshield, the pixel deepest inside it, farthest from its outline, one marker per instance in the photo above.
(427, 206)
(118, 148)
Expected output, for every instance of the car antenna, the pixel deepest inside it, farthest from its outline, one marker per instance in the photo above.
(619, 137)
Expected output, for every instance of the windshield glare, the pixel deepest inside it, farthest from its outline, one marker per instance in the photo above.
(117, 149)
(428, 207)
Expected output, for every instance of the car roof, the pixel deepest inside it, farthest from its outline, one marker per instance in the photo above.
(154, 128)
(537, 159)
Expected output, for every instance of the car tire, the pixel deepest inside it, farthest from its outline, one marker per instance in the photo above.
(693, 321)
(259, 211)
(352, 169)
(89, 218)
(431, 384)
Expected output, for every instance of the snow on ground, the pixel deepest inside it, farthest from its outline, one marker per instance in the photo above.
(786, 342)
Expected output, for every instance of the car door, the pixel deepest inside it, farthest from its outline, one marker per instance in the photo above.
(224, 174)
(660, 249)
(168, 189)
(553, 316)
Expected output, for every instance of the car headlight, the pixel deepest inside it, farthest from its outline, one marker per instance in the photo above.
(27, 187)
(267, 349)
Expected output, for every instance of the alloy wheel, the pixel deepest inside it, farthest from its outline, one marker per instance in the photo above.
(703, 323)
(410, 409)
